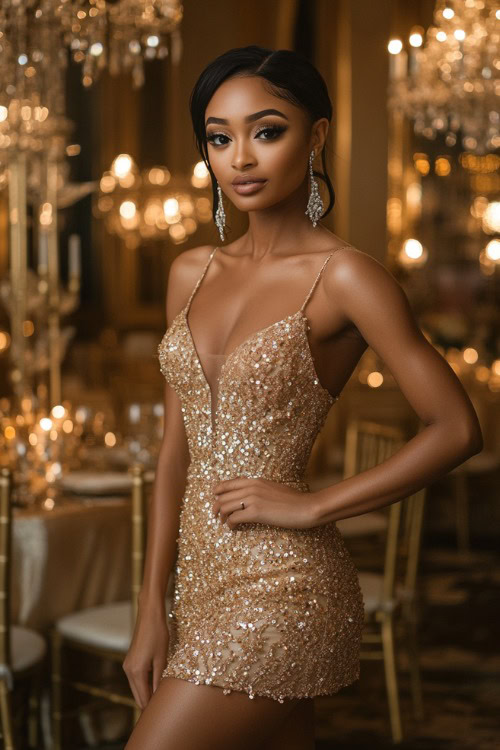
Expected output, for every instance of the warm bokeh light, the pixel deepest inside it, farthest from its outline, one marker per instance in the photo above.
(10, 432)
(375, 379)
(46, 424)
(491, 217)
(67, 426)
(122, 166)
(442, 166)
(492, 250)
(128, 209)
(395, 46)
(448, 13)
(58, 411)
(470, 355)
(110, 439)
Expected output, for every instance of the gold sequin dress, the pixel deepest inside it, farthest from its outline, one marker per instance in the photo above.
(262, 609)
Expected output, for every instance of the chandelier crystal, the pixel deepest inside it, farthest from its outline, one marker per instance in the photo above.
(451, 85)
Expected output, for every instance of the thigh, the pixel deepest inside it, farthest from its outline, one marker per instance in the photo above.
(297, 733)
(200, 717)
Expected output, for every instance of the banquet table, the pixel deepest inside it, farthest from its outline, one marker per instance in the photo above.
(73, 555)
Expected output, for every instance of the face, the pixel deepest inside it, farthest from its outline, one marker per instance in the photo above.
(253, 134)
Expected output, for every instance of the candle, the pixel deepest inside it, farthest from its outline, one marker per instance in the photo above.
(74, 255)
(43, 253)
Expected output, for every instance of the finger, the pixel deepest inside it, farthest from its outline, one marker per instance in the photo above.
(235, 496)
(239, 516)
(141, 689)
(229, 507)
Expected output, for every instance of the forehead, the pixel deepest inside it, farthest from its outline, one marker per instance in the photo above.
(241, 96)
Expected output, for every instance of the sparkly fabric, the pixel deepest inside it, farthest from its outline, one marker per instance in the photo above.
(262, 609)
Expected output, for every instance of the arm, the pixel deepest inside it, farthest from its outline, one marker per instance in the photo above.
(170, 479)
(374, 301)
(149, 646)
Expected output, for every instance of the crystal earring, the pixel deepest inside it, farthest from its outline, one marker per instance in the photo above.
(314, 205)
(220, 215)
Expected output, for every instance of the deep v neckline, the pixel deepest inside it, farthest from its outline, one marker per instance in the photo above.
(241, 345)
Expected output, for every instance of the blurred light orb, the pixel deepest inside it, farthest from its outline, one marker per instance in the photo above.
(3, 113)
(46, 424)
(470, 355)
(375, 379)
(416, 38)
(96, 49)
(122, 165)
(395, 46)
(491, 217)
(58, 411)
(413, 248)
(448, 13)
(459, 34)
(441, 36)
(153, 41)
(128, 209)
(171, 208)
(492, 250)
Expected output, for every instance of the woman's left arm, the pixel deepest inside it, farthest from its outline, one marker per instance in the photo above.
(375, 302)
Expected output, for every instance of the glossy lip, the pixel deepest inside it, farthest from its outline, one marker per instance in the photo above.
(252, 187)
(247, 178)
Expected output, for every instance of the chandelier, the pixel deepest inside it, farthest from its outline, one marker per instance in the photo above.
(120, 35)
(152, 204)
(451, 84)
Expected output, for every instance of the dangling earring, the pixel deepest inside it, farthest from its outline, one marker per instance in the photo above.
(314, 205)
(220, 215)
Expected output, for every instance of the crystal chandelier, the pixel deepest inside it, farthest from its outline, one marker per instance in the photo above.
(152, 204)
(451, 84)
(120, 35)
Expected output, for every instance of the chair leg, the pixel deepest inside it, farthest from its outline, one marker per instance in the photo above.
(391, 678)
(414, 664)
(6, 717)
(34, 711)
(56, 689)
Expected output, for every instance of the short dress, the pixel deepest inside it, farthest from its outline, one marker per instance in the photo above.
(267, 610)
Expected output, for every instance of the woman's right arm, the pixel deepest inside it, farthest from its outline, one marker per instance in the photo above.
(148, 650)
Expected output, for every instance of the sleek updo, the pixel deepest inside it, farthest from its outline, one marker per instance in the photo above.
(290, 76)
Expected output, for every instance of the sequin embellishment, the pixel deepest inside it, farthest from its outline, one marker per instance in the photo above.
(262, 609)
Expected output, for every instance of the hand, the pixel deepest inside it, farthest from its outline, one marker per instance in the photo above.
(265, 502)
(147, 653)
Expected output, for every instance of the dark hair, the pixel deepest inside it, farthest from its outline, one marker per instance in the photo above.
(291, 76)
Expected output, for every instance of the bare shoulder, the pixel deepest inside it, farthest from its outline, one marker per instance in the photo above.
(184, 272)
(352, 270)
(369, 295)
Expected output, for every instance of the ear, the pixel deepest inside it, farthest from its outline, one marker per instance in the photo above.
(319, 132)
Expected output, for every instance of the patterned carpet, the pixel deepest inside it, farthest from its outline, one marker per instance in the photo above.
(460, 658)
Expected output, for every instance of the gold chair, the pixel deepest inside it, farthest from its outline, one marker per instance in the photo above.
(22, 650)
(366, 445)
(390, 596)
(104, 631)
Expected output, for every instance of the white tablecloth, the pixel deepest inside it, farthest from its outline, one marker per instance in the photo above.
(74, 556)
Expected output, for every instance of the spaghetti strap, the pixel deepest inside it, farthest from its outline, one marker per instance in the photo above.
(318, 276)
(188, 304)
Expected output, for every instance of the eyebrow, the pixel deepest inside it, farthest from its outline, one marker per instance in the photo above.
(250, 118)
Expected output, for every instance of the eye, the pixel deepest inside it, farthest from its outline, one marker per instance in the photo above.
(272, 131)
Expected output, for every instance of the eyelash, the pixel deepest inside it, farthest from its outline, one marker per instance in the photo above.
(276, 129)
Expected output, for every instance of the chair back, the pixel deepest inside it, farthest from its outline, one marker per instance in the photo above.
(368, 444)
(5, 562)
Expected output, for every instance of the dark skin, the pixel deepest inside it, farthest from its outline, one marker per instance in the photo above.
(357, 304)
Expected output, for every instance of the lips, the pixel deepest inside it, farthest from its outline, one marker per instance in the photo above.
(248, 187)
(247, 180)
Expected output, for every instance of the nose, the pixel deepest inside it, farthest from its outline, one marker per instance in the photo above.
(242, 156)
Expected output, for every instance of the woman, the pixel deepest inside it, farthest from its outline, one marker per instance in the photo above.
(267, 610)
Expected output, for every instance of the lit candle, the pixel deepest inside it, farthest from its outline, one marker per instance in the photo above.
(74, 255)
